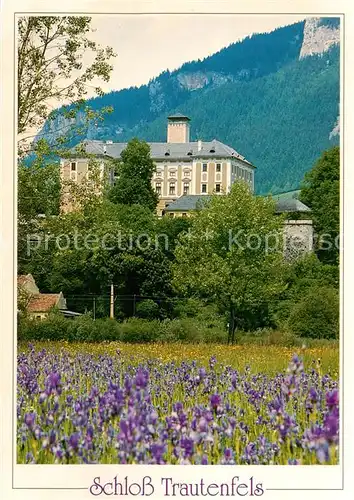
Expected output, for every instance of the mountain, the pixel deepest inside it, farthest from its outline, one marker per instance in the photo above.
(274, 97)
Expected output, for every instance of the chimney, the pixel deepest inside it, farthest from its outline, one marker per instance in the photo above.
(199, 145)
(178, 128)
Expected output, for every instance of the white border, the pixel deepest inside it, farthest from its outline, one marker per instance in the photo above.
(81, 476)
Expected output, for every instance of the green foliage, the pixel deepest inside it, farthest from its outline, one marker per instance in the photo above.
(170, 229)
(316, 315)
(109, 243)
(188, 308)
(321, 191)
(133, 186)
(303, 277)
(38, 189)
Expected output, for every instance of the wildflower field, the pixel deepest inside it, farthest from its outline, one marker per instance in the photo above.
(176, 404)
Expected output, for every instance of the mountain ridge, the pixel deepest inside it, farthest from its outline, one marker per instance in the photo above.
(253, 64)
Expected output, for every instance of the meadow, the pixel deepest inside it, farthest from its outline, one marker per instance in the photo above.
(177, 404)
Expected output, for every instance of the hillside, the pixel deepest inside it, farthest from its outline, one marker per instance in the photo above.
(274, 97)
(280, 122)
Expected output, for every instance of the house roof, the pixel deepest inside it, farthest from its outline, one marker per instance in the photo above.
(22, 279)
(169, 150)
(43, 302)
(190, 202)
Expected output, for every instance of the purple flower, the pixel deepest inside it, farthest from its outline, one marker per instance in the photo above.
(30, 419)
(215, 401)
(332, 398)
(157, 451)
(74, 440)
(293, 461)
(313, 396)
(322, 451)
(187, 444)
(212, 362)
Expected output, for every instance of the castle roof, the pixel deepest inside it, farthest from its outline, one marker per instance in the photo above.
(169, 151)
(179, 116)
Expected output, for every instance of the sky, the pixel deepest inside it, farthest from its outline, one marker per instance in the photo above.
(146, 45)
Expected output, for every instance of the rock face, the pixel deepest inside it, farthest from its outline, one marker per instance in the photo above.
(336, 129)
(318, 37)
(198, 80)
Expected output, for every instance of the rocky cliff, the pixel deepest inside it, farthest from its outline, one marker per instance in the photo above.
(319, 35)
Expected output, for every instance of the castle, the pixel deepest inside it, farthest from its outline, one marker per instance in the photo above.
(182, 167)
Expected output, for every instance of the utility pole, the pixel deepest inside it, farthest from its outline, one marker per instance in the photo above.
(94, 307)
(134, 305)
(111, 315)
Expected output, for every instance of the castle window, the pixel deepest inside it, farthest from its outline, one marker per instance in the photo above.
(158, 188)
(217, 188)
(186, 188)
(218, 167)
(172, 188)
(171, 215)
(73, 166)
(205, 167)
(204, 188)
(184, 214)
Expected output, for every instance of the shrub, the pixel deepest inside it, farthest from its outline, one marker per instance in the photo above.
(316, 315)
(140, 330)
(54, 328)
(147, 309)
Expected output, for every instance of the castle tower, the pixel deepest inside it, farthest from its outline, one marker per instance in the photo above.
(178, 128)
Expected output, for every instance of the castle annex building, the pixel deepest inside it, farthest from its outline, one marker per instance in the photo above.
(182, 167)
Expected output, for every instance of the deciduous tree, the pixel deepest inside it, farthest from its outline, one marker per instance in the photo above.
(320, 192)
(228, 253)
(133, 186)
(50, 66)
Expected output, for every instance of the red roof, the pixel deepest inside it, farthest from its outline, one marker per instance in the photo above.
(43, 302)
